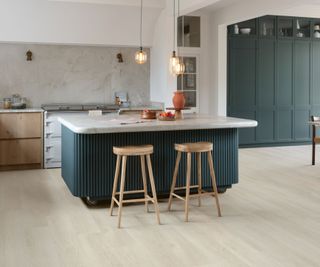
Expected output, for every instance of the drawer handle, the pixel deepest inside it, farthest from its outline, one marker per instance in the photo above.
(48, 148)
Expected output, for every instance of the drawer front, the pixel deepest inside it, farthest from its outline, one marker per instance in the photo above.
(53, 150)
(20, 125)
(18, 152)
(53, 129)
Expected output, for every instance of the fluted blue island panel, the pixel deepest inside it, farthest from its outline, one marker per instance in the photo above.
(88, 163)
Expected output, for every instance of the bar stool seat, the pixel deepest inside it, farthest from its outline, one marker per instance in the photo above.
(123, 153)
(133, 150)
(194, 147)
(197, 148)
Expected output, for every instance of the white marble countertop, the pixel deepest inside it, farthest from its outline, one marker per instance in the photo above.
(26, 110)
(113, 123)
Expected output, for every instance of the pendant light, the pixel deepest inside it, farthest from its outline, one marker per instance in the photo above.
(180, 67)
(174, 60)
(141, 56)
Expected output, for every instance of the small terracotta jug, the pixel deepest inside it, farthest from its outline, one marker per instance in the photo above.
(178, 100)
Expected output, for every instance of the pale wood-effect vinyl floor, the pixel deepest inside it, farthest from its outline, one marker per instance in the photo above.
(271, 218)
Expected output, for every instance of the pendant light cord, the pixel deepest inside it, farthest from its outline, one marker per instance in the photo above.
(141, 24)
(174, 24)
(178, 19)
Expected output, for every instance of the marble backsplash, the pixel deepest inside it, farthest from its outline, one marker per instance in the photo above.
(71, 74)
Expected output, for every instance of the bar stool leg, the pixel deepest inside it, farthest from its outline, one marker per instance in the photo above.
(153, 188)
(115, 183)
(199, 177)
(144, 178)
(174, 180)
(188, 186)
(214, 184)
(123, 177)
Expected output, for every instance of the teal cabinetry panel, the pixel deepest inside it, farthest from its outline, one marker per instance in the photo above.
(266, 73)
(246, 135)
(302, 73)
(301, 126)
(242, 73)
(284, 125)
(315, 100)
(285, 73)
(265, 129)
(278, 83)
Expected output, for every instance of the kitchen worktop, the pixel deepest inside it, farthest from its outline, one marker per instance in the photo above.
(113, 123)
(26, 110)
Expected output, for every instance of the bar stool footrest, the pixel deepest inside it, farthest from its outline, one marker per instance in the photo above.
(135, 200)
(184, 187)
(131, 192)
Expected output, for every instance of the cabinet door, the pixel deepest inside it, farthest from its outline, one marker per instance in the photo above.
(20, 125)
(302, 75)
(242, 73)
(242, 84)
(315, 100)
(266, 91)
(284, 89)
(19, 152)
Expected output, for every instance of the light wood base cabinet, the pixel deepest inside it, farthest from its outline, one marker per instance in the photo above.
(21, 141)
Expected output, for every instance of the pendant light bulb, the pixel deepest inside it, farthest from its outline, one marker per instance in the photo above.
(174, 61)
(141, 56)
(179, 68)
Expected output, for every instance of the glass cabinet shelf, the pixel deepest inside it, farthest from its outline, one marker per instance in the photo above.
(267, 26)
(303, 27)
(316, 29)
(285, 27)
(245, 28)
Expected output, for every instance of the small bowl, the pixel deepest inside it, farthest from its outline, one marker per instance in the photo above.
(245, 30)
(149, 115)
(162, 118)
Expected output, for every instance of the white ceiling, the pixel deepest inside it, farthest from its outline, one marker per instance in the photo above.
(221, 4)
(146, 3)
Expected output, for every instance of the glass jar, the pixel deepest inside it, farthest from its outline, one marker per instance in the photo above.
(7, 103)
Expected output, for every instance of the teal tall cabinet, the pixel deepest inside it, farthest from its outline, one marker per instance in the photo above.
(274, 78)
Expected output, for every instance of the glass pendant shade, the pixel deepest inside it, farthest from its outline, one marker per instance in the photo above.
(180, 68)
(174, 61)
(141, 56)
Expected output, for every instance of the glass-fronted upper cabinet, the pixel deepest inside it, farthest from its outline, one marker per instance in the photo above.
(302, 27)
(187, 82)
(267, 26)
(247, 27)
(316, 28)
(285, 27)
(188, 31)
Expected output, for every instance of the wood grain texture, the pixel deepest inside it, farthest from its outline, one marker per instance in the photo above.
(20, 151)
(20, 125)
(21, 141)
(271, 218)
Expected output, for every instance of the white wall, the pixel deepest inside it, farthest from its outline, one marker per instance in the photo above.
(72, 74)
(162, 83)
(42, 21)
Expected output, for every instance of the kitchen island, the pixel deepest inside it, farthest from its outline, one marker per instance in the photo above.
(88, 163)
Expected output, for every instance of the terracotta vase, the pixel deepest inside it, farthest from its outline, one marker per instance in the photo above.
(178, 100)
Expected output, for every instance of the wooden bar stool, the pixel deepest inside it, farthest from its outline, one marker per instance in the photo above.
(198, 148)
(315, 138)
(122, 153)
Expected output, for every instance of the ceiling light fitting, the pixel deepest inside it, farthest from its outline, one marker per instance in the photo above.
(141, 56)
